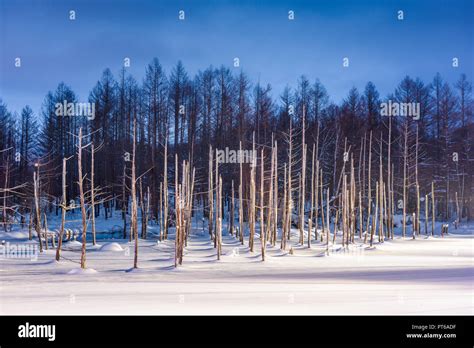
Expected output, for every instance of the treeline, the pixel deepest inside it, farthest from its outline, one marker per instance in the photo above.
(220, 107)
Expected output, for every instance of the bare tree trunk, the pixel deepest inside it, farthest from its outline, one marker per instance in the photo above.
(124, 202)
(374, 224)
(343, 204)
(433, 213)
(316, 199)
(165, 189)
(211, 193)
(405, 159)
(262, 205)
(45, 228)
(310, 221)
(177, 211)
(147, 210)
(284, 213)
(426, 214)
(30, 224)
(417, 218)
(252, 196)
(456, 222)
(389, 179)
(37, 208)
(392, 199)
(361, 223)
(241, 201)
(363, 188)
(81, 198)
(380, 192)
(63, 212)
(303, 182)
(336, 222)
(232, 211)
(219, 218)
(289, 193)
(133, 188)
(269, 208)
(369, 189)
(93, 197)
(275, 194)
(323, 221)
(352, 202)
(327, 221)
(161, 212)
(5, 195)
(218, 203)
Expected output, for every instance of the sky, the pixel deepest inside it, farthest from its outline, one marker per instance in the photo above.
(271, 48)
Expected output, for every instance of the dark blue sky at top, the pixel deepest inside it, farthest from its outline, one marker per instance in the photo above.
(381, 49)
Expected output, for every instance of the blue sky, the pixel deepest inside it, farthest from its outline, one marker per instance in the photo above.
(381, 49)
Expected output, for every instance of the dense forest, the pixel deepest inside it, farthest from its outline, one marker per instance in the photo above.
(133, 148)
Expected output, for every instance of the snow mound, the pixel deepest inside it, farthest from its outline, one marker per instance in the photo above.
(82, 271)
(111, 247)
(73, 243)
(14, 235)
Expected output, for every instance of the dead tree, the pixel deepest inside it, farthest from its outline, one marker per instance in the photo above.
(211, 194)
(389, 180)
(310, 220)
(262, 206)
(252, 217)
(36, 180)
(133, 194)
(303, 181)
(177, 211)
(405, 178)
(380, 192)
(144, 208)
(64, 208)
(93, 196)
(80, 183)
(165, 189)
(241, 201)
(426, 214)
(124, 201)
(217, 203)
(275, 194)
(284, 215)
(417, 186)
(232, 210)
(161, 212)
(218, 236)
(369, 189)
(327, 222)
(374, 219)
(269, 207)
(456, 222)
(289, 205)
(323, 221)
(432, 208)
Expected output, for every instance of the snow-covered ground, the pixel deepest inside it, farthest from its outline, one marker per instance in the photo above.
(428, 275)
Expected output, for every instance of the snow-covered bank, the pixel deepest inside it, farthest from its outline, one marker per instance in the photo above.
(428, 275)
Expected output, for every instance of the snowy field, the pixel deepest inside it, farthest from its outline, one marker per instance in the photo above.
(428, 275)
